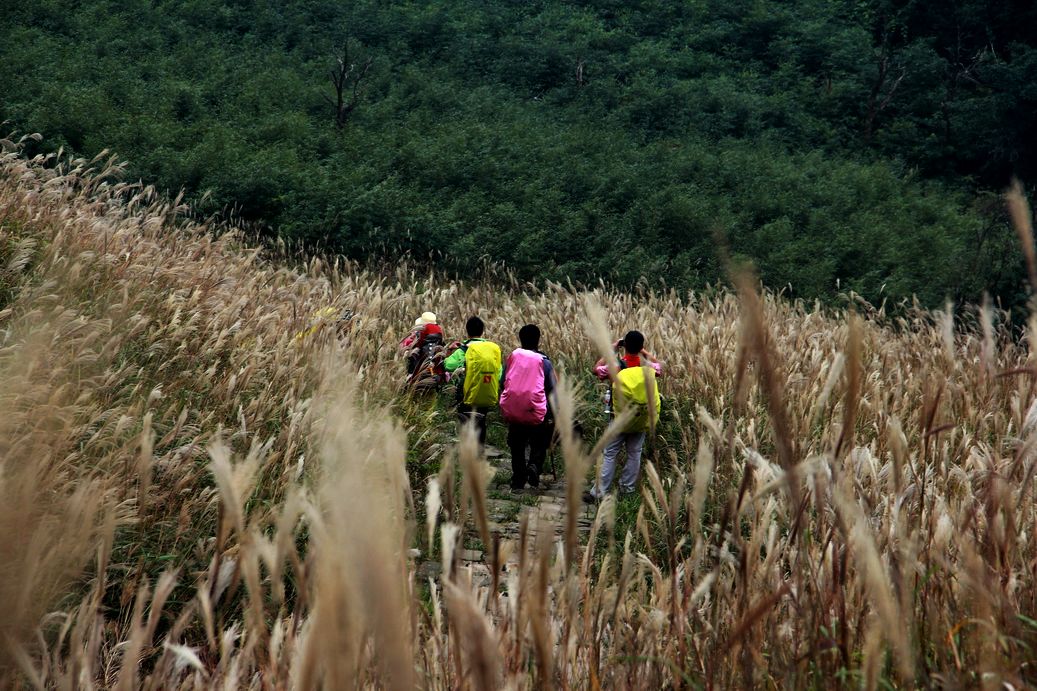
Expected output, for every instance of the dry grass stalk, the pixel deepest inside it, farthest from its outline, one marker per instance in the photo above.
(757, 342)
(363, 540)
(1022, 221)
(131, 342)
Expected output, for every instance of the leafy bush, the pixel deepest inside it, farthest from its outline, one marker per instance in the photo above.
(835, 143)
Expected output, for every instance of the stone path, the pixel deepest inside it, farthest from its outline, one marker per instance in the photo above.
(543, 510)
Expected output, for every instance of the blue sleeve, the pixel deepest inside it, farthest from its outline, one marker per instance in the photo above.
(549, 377)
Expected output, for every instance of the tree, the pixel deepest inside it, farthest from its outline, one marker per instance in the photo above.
(348, 84)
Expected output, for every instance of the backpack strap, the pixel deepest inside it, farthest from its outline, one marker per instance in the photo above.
(612, 387)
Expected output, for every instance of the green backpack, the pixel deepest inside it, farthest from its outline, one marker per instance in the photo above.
(482, 364)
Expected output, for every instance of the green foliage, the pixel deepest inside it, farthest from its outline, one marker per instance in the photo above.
(839, 145)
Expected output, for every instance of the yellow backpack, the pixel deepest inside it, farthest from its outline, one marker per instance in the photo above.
(634, 384)
(482, 365)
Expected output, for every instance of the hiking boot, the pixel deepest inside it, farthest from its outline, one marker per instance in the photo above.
(518, 490)
(533, 476)
(589, 498)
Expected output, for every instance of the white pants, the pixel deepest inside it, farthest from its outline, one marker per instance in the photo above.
(634, 443)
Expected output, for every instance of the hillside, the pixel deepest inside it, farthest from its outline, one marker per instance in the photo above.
(840, 145)
(194, 495)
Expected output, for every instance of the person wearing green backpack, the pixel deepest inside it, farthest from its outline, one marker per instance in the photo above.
(634, 386)
(479, 388)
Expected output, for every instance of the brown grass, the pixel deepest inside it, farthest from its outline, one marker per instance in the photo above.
(191, 496)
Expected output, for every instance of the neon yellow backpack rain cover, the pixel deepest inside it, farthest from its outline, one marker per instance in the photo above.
(634, 384)
(482, 364)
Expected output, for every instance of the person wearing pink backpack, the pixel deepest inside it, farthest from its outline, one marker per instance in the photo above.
(527, 386)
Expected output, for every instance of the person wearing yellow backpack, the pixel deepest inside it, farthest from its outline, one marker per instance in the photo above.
(479, 388)
(635, 386)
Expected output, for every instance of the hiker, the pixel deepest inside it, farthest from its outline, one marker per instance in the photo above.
(408, 341)
(526, 391)
(479, 388)
(637, 376)
(425, 334)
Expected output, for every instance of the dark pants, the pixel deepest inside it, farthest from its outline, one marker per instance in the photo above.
(466, 412)
(536, 438)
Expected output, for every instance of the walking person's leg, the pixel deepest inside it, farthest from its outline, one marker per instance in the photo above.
(608, 466)
(634, 443)
(518, 438)
(539, 441)
(480, 422)
(464, 414)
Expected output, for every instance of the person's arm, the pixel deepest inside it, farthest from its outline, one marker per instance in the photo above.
(601, 368)
(419, 337)
(550, 386)
(408, 340)
(549, 377)
(455, 360)
(656, 365)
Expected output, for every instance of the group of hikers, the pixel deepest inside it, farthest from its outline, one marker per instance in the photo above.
(522, 387)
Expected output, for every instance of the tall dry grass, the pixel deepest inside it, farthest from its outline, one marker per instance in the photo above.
(192, 496)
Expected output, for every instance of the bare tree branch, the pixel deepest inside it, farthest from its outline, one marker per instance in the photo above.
(345, 81)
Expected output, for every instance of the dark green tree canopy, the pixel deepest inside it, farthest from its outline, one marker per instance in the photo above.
(841, 145)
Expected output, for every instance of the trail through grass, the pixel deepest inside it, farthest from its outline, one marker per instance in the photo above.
(193, 495)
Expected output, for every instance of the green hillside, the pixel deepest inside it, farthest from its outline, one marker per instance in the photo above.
(840, 145)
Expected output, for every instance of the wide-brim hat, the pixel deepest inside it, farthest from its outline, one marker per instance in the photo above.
(428, 318)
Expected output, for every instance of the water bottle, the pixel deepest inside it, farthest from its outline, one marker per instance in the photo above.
(608, 401)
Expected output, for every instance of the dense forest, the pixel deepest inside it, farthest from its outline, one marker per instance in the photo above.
(840, 144)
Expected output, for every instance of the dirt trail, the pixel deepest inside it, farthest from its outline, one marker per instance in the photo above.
(544, 511)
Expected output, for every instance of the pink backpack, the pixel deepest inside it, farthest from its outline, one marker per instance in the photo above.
(523, 399)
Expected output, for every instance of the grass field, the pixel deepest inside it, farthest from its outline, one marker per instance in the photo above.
(205, 483)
